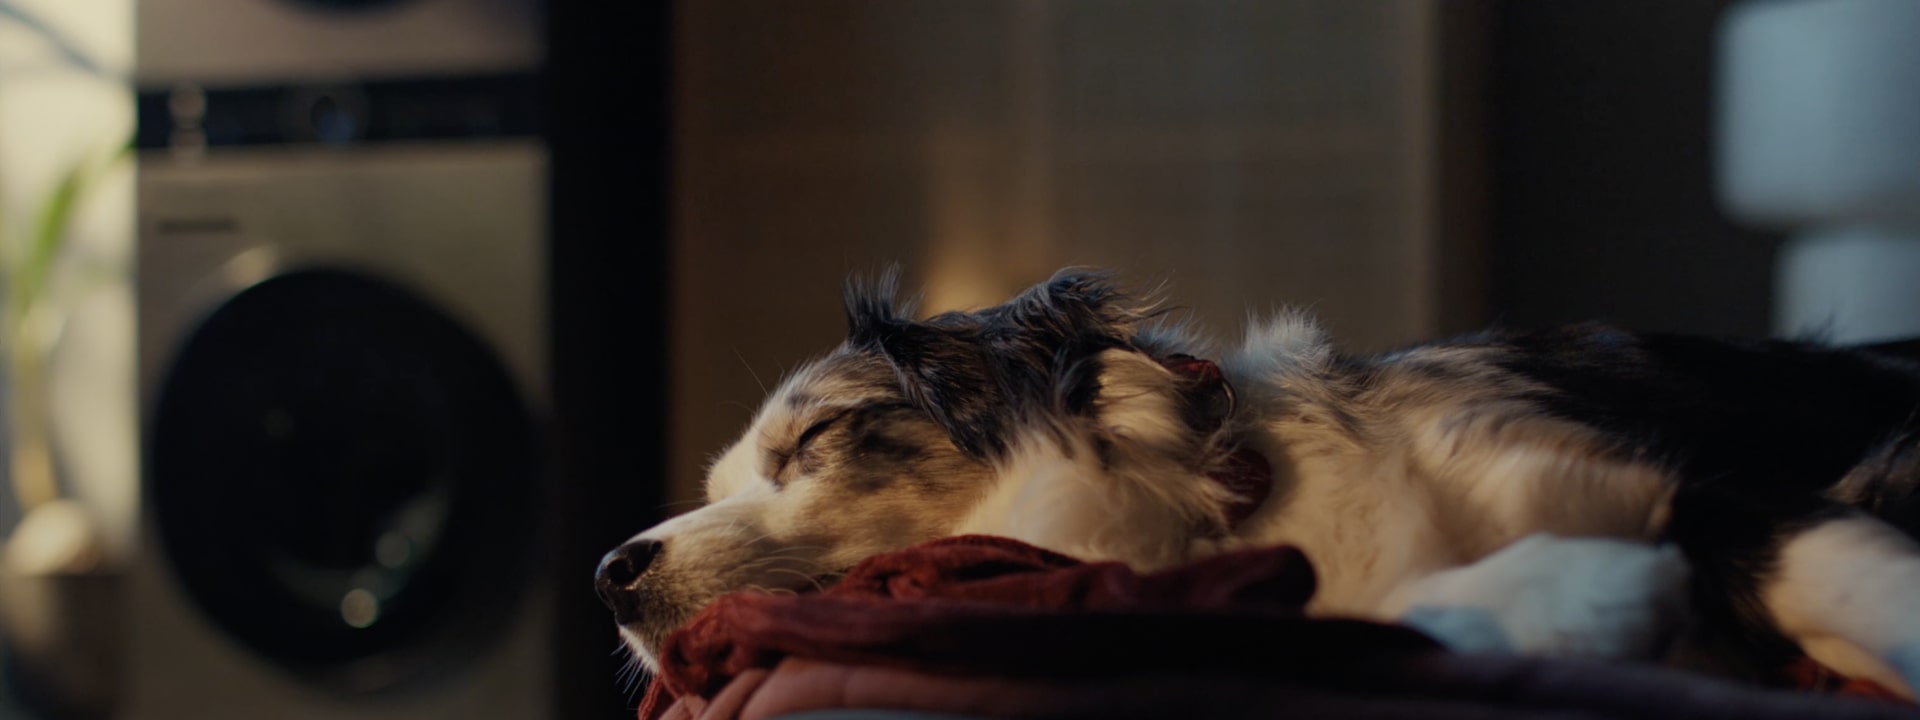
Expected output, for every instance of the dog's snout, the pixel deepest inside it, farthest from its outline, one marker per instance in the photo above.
(618, 572)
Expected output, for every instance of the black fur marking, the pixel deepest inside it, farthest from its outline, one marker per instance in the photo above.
(875, 433)
(872, 307)
(1764, 416)
(978, 373)
(892, 442)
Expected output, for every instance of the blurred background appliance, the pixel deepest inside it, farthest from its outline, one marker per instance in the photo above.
(343, 361)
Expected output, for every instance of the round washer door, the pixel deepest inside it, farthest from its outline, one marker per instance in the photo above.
(340, 471)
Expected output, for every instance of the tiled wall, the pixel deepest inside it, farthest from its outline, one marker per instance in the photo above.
(1250, 152)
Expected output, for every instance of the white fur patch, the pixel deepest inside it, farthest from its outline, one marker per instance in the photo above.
(1554, 596)
(1288, 342)
(1137, 404)
(1065, 500)
(1849, 591)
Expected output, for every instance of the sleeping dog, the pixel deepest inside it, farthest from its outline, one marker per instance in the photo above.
(1581, 491)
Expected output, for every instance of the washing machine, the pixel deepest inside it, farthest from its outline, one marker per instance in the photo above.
(342, 362)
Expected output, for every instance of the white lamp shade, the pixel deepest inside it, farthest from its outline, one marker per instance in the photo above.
(1819, 112)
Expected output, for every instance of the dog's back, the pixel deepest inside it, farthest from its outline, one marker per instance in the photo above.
(1772, 446)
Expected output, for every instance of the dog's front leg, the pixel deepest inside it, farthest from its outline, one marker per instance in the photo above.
(1553, 596)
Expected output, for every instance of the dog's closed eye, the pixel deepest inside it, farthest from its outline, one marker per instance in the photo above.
(784, 457)
(814, 430)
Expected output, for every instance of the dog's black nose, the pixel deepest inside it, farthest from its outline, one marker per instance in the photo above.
(618, 571)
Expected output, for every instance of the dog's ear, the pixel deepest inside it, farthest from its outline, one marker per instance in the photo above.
(1078, 305)
(948, 373)
(975, 372)
(871, 306)
(944, 369)
(1081, 308)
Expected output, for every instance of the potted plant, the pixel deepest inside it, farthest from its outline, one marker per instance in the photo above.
(58, 590)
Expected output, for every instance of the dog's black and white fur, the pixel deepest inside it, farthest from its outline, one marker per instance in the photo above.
(1564, 492)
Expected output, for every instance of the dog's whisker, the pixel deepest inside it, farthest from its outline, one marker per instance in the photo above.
(736, 403)
(821, 548)
(634, 680)
(628, 677)
(750, 372)
(757, 567)
(809, 579)
(757, 538)
(785, 559)
(771, 591)
(790, 552)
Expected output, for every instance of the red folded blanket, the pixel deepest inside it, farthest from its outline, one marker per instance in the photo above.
(985, 607)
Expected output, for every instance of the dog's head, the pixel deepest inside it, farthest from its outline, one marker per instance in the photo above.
(1055, 418)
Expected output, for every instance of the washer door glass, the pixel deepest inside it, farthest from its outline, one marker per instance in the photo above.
(339, 471)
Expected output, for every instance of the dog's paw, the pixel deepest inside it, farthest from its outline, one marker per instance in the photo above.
(1566, 597)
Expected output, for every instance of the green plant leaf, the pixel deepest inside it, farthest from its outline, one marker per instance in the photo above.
(30, 277)
(49, 229)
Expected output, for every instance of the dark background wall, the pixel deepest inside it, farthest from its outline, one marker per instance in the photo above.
(607, 86)
(1602, 205)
